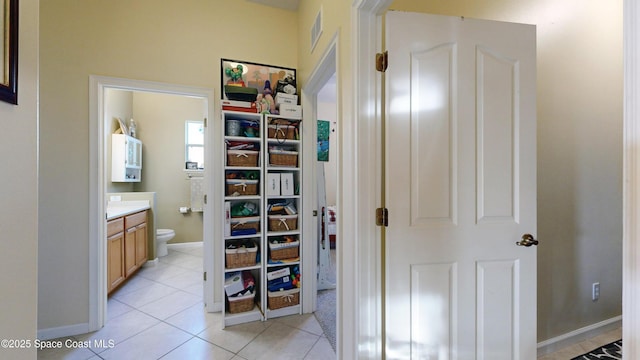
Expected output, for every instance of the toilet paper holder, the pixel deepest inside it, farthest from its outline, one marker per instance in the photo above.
(183, 210)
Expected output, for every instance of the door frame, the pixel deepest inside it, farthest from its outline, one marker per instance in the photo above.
(366, 319)
(326, 67)
(98, 186)
(631, 183)
(360, 191)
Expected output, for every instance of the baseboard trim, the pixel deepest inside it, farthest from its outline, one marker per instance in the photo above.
(185, 244)
(63, 331)
(150, 263)
(576, 336)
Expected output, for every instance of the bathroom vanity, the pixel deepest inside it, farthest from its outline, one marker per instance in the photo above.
(126, 244)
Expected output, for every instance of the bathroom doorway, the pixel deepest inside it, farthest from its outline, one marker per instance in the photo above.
(161, 112)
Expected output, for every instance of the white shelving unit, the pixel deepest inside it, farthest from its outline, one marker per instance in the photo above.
(249, 186)
(284, 142)
(241, 194)
(126, 158)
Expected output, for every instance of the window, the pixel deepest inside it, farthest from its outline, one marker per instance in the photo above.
(194, 144)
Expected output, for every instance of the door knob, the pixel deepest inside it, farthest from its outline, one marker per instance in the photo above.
(527, 240)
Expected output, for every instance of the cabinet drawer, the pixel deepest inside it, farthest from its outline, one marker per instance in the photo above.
(135, 219)
(115, 226)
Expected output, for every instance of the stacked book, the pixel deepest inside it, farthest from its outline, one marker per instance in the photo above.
(236, 105)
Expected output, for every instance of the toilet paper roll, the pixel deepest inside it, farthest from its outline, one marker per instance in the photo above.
(184, 210)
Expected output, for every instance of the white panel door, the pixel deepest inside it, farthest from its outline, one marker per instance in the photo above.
(460, 188)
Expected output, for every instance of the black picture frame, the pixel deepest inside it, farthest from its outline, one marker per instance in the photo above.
(9, 44)
(256, 74)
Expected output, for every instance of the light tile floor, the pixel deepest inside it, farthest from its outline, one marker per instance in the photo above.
(159, 314)
(585, 346)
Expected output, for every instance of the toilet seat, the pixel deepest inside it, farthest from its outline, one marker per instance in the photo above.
(165, 232)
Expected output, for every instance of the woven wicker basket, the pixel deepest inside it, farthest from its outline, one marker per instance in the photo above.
(241, 304)
(282, 132)
(284, 251)
(280, 299)
(245, 223)
(241, 257)
(241, 187)
(283, 158)
(283, 222)
(246, 158)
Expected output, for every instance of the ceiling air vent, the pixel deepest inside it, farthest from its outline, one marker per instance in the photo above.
(316, 30)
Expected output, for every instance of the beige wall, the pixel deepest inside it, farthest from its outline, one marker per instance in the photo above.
(180, 42)
(160, 120)
(19, 210)
(579, 151)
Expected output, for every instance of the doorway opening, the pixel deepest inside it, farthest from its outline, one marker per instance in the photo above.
(103, 112)
(326, 167)
(321, 98)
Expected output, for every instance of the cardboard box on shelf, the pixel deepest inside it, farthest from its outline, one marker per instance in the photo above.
(233, 283)
(290, 110)
(283, 98)
(278, 273)
(286, 183)
(273, 184)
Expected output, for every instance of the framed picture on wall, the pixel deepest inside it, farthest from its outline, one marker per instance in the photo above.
(323, 140)
(248, 81)
(9, 51)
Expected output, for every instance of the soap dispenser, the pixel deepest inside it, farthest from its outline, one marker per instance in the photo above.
(132, 128)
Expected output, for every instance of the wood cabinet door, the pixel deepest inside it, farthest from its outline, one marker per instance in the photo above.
(141, 244)
(115, 263)
(130, 251)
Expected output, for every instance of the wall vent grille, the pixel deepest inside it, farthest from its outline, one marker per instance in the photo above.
(316, 30)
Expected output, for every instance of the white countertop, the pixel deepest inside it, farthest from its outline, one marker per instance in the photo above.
(116, 209)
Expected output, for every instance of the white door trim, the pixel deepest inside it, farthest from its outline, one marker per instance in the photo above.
(97, 185)
(359, 190)
(631, 183)
(326, 67)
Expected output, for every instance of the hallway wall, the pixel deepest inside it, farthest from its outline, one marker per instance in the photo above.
(19, 195)
(172, 41)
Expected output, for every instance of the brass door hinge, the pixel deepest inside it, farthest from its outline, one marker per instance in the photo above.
(382, 61)
(205, 276)
(382, 217)
(205, 122)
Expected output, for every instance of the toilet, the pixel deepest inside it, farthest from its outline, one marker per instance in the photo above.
(162, 236)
